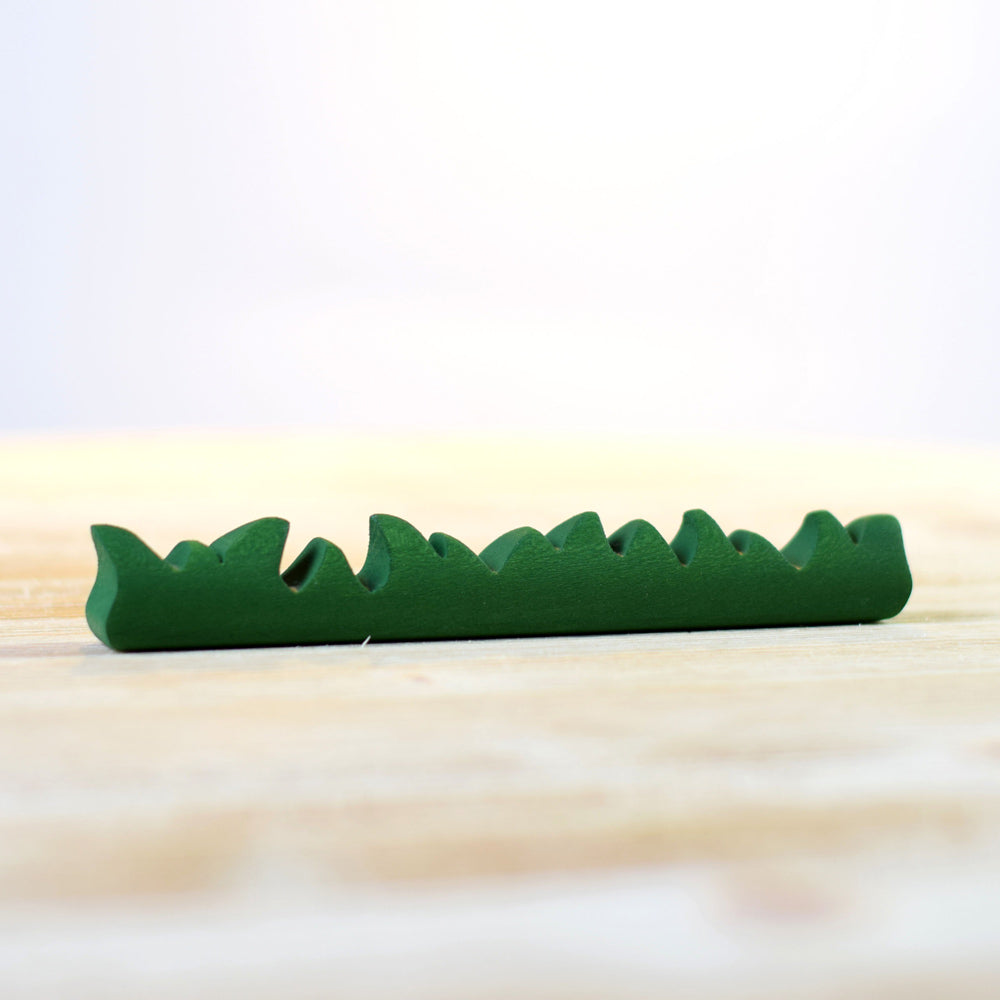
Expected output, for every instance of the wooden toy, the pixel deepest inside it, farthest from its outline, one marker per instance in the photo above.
(574, 580)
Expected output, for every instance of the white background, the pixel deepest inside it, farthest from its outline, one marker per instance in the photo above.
(716, 217)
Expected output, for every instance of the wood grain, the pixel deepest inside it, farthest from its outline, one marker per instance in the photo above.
(792, 812)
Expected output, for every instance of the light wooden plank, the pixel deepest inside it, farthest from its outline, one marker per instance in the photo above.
(792, 812)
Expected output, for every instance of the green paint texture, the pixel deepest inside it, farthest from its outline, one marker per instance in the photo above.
(574, 580)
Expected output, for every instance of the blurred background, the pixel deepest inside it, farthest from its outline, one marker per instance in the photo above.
(773, 217)
(644, 257)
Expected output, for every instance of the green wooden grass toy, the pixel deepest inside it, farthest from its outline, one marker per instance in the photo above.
(574, 580)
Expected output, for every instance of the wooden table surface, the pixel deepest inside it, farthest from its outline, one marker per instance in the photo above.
(769, 813)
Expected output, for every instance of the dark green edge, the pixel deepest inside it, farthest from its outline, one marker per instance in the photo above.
(575, 580)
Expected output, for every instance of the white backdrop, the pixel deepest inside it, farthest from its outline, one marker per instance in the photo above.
(774, 217)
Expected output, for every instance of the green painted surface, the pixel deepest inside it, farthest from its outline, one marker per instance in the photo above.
(574, 580)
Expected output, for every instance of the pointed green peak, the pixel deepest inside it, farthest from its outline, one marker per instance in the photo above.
(878, 539)
(255, 546)
(448, 547)
(498, 553)
(820, 532)
(583, 532)
(876, 529)
(700, 538)
(749, 543)
(392, 544)
(638, 537)
(743, 541)
(120, 549)
(123, 559)
(192, 556)
(319, 564)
